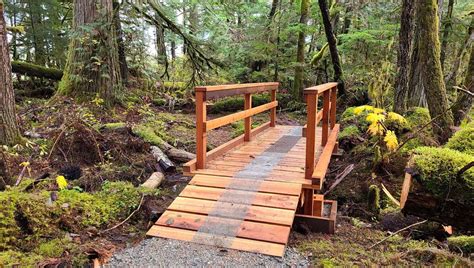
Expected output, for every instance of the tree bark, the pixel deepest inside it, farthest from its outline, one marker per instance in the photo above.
(430, 71)
(9, 133)
(338, 76)
(447, 29)
(160, 43)
(403, 57)
(451, 78)
(464, 101)
(298, 86)
(34, 9)
(93, 67)
(120, 44)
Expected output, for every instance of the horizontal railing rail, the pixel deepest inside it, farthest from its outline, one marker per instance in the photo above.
(204, 93)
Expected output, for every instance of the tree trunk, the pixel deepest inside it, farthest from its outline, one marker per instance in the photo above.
(451, 78)
(273, 9)
(35, 8)
(93, 67)
(120, 44)
(323, 6)
(173, 49)
(464, 101)
(403, 57)
(447, 29)
(9, 133)
(430, 71)
(299, 68)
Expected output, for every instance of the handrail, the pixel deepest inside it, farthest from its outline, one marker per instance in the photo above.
(328, 118)
(221, 91)
(204, 93)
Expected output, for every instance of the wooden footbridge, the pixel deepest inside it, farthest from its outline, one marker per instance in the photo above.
(247, 193)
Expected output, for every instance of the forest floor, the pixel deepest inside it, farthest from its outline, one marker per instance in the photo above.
(107, 147)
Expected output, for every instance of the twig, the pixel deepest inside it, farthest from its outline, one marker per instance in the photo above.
(401, 230)
(22, 173)
(56, 141)
(340, 177)
(129, 216)
(464, 169)
(464, 90)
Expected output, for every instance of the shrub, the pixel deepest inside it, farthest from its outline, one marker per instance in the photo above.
(417, 116)
(349, 132)
(437, 170)
(463, 140)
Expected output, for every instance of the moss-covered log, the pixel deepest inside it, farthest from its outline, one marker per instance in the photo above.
(31, 69)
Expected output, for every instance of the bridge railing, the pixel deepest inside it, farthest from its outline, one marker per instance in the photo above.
(329, 130)
(203, 126)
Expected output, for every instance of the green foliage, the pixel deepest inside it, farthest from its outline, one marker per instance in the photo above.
(54, 248)
(438, 168)
(113, 126)
(463, 242)
(463, 140)
(418, 116)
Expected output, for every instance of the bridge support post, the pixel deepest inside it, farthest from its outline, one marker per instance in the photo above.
(201, 135)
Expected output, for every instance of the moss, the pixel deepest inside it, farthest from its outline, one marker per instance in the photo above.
(148, 134)
(113, 126)
(438, 168)
(54, 248)
(373, 199)
(463, 140)
(417, 116)
(349, 132)
(11, 258)
(463, 242)
(159, 102)
(234, 104)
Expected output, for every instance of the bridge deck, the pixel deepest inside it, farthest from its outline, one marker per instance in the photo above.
(245, 199)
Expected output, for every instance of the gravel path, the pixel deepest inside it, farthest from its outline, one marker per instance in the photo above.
(160, 252)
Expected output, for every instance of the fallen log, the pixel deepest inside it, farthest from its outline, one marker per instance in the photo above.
(175, 153)
(163, 160)
(154, 181)
(30, 69)
(415, 200)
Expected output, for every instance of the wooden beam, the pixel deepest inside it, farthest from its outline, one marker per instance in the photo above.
(273, 110)
(201, 135)
(325, 126)
(221, 91)
(222, 121)
(325, 157)
(320, 88)
(333, 106)
(248, 120)
(312, 107)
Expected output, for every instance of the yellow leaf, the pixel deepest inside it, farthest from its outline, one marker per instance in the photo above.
(396, 117)
(24, 164)
(391, 140)
(378, 111)
(360, 109)
(375, 129)
(62, 182)
(375, 118)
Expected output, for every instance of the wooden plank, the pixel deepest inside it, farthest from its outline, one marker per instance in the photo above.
(248, 120)
(320, 88)
(312, 107)
(265, 186)
(405, 189)
(221, 121)
(190, 166)
(323, 162)
(272, 249)
(260, 199)
(268, 85)
(201, 135)
(253, 213)
(251, 230)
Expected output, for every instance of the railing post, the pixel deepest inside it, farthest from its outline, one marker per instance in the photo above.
(201, 135)
(325, 119)
(333, 107)
(273, 111)
(312, 107)
(248, 120)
